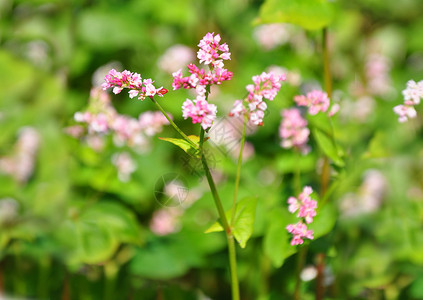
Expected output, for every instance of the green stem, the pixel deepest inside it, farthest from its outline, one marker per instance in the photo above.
(222, 216)
(173, 124)
(326, 63)
(300, 264)
(325, 175)
(238, 171)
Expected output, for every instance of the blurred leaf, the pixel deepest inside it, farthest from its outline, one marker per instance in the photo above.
(328, 146)
(309, 14)
(98, 231)
(324, 221)
(245, 211)
(276, 243)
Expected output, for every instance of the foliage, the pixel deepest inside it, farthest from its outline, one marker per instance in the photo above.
(76, 230)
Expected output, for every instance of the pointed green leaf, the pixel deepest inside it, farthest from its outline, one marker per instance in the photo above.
(245, 212)
(328, 146)
(183, 144)
(309, 14)
(216, 227)
(276, 242)
(324, 221)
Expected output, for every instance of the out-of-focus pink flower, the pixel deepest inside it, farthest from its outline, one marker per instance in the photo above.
(175, 58)
(20, 165)
(152, 122)
(293, 130)
(413, 92)
(200, 111)
(315, 100)
(270, 36)
(266, 86)
(405, 112)
(369, 196)
(101, 119)
(166, 221)
(304, 204)
(412, 95)
(137, 86)
(299, 232)
(377, 70)
(306, 208)
(125, 165)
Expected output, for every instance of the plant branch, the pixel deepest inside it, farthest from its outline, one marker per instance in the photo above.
(173, 124)
(225, 224)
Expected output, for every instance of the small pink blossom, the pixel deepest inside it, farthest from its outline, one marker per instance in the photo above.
(299, 232)
(125, 165)
(200, 111)
(293, 130)
(266, 86)
(304, 204)
(133, 82)
(316, 101)
(413, 93)
(210, 48)
(405, 112)
(306, 208)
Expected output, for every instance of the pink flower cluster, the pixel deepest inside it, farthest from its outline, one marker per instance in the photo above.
(315, 100)
(306, 208)
(124, 164)
(293, 130)
(200, 111)
(20, 164)
(137, 86)
(266, 86)
(102, 118)
(412, 95)
(209, 51)
(212, 53)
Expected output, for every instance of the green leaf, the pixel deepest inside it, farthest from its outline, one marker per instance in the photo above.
(276, 242)
(324, 221)
(245, 211)
(309, 14)
(328, 146)
(185, 145)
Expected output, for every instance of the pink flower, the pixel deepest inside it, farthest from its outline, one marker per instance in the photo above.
(266, 86)
(405, 112)
(293, 130)
(133, 82)
(125, 165)
(175, 58)
(299, 232)
(200, 111)
(304, 204)
(306, 208)
(210, 48)
(413, 93)
(211, 53)
(315, 100)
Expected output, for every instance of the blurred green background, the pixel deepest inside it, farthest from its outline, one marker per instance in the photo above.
(71, 229)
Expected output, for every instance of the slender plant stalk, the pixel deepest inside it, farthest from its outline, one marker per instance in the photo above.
(300, 264)
(173, 124)
(228, 230)
(238, 171)
(325, 174)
